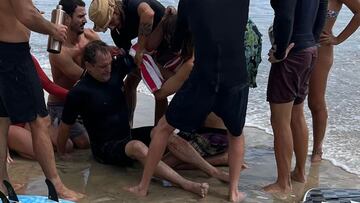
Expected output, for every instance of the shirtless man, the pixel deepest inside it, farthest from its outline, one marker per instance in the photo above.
(21, 95)
(66, 67)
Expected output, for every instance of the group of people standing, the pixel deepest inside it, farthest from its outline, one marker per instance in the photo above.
(211, 81)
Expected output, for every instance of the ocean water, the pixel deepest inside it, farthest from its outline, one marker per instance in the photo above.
(343, 92)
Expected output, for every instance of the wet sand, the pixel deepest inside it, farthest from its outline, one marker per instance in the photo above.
(102, 183)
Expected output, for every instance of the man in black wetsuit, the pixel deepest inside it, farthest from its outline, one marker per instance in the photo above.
(296, 30)
(127, 20)
(98, 97)
(217, 83)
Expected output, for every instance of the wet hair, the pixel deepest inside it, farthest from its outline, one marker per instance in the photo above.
(94, 47)
(69, 6)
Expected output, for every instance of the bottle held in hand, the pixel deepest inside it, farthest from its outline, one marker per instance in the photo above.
(57, 17)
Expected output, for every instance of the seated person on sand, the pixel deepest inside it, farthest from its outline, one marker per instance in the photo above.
(66, 67)
(99, 98)
(19, 135)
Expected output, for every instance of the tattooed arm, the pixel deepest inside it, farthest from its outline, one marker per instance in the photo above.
(146, 15)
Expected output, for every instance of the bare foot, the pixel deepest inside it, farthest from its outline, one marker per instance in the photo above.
(297, 176)
(65, 193)
(275, 188)
(221, 175)
(237, 197)
(244, 166)
(137, 190)
(18, 186)
(316, 156)
(198, 188)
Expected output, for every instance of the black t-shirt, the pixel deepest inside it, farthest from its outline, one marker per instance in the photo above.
(122, 38)
(101, 105)
(296, 21)
(218, 29)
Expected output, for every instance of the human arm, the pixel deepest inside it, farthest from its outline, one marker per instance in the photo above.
(47, 84)
(157, 35)
(283, 26)
(352, 26)
(182, 27)
(71, 110)
(174, 83)
(63, 136)
(320, 19)
(28, 15)
(65, 63)
(146, 15)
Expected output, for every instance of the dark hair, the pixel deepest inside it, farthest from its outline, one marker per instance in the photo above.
(69, 6)
(94, 47)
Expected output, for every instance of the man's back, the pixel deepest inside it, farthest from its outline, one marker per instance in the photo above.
(11, 28)
(218, 28)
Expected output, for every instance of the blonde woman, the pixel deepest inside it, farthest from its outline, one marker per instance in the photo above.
(318, 80)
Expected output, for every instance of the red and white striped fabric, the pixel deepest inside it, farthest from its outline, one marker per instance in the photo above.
(174, 64)
(150, 72)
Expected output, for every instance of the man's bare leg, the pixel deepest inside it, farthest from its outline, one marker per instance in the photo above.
(236, 160)
(283, 146)
(159, 138)
(139, 151)
(216, 160)
(4, 128)
(45, 155)
(183, 150)
(300, 141)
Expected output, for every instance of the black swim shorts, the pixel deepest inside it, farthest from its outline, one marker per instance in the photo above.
(21, 94)
(113, 152)
(198, 97)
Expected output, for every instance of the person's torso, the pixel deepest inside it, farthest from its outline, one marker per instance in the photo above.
(75, 52)
(334, 7)
(304, 21)
(218, 29)
(12, 30)
(104, 110)
(129, 30)
(305, 16)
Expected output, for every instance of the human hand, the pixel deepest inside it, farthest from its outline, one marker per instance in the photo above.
(60, 32)
(328, 39)
(170, 10)
(273, 59)
(139, 57)
(115, 51)
(9, 160)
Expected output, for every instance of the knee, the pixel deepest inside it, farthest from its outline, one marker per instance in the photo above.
(316, 104)
(41, 123)
(136, 149)
(175, 141)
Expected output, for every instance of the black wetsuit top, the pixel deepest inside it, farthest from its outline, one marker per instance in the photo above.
(218, 29)
(102, 106)
(130, 28)
(297, 21)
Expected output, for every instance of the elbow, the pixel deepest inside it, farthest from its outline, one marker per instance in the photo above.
(149, 14)
(159, 95)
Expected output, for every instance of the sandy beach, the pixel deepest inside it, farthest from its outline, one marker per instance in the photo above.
(102, 183)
